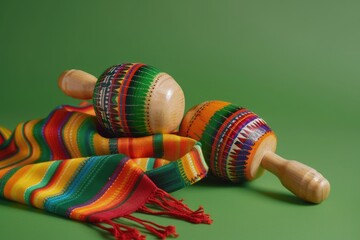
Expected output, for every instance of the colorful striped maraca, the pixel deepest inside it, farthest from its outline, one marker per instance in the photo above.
(130, 99)
(239, 145)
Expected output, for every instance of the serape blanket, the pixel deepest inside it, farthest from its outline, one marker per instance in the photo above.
(64, 165)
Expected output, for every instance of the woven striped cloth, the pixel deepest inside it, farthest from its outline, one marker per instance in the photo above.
(62, 164)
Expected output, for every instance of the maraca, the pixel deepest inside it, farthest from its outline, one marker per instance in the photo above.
(239, 145)
(130, 99)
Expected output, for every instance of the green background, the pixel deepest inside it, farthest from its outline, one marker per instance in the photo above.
(295, 63)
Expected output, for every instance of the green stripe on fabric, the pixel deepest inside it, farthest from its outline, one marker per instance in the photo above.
(28, 148)
(45, 180)
(45, 152)
(158, 146)
(7, 142)
(85, 136)
(167, 177)
(113, 145)
(91, 184)
(73, 175)
(6, 178)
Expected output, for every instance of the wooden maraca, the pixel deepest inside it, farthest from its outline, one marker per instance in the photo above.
(239, 144)
(130, 99)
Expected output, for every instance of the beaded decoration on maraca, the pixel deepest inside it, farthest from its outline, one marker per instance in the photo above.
(238, 144)
(130, 99)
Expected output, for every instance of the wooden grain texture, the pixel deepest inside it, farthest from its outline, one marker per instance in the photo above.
(304, 181)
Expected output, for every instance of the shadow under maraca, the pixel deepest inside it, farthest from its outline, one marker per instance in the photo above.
(280, 196)
(212, 181)
(286, 197)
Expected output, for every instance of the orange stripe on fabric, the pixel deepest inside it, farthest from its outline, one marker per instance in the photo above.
(36, 151)
(14, 179)
(22, 145)
(115, 194)
(70, 139)
(27, 179)
(136, 147)
(32, 147)
(171, 146)
(101, 145)
(142, 163)
(58, 183)
(190, 169)
(159, 162)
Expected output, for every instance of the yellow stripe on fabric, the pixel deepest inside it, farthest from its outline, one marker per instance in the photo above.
(4, 171)
(28, 179)
(116, 193)
(101, 145)
(190, 169)
(32, 144)
(142, 163)
(22, 144)
(172, 145)
(14, 179)
(60, 184)
(146, 164)
(6, 133)
(29, 133)
(200, 160)
(71, 128)
(175, 147)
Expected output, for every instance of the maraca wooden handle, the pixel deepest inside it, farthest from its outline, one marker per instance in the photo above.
(77, 84)
(304, 181)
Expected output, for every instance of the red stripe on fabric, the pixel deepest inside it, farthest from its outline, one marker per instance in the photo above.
(194, 152)
(51, 135)
(131, 147)
(138, 198)
(2, 139)
(84, 107)
(183, 147)
(53, 180)
(11, 149)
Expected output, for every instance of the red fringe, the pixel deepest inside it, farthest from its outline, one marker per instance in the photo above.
(159, 203)
(120, 231)
(158, 230)
(165, 204)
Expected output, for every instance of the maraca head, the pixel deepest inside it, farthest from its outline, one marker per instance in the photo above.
(134, 99)
(234, 139)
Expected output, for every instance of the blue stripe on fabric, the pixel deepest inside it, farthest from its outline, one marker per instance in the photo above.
(52, 202)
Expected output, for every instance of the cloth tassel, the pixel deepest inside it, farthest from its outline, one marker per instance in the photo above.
(159, 203)
(123, 232)
(120, 231)
(162, 203)
(158, 230)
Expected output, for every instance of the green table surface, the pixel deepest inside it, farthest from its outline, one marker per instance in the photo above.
(295, 63)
